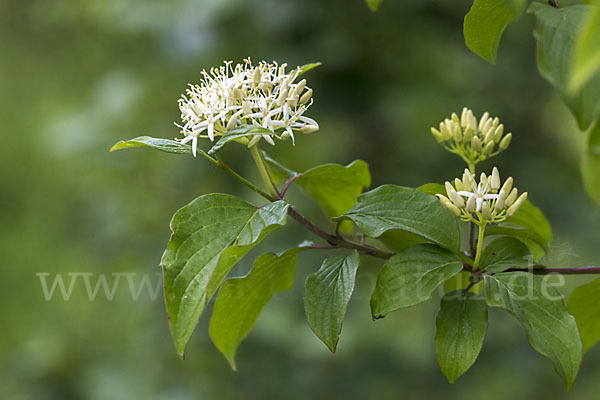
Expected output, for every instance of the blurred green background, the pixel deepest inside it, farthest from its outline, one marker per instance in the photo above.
(76, 76)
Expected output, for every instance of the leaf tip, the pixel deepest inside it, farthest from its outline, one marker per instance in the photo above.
(117, 146)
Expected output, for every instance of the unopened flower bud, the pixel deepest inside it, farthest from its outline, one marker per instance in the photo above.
(495, 181)
(505, 142)
(485, 210)
(500, 202)
(256, 77)
(306, 97)
(445, 131)
(483, 120)
(269, 139)
(457, 133)
(232, 122)
(254, 140)
(463, 117)
(483, 179)
(507, 185)
(247, 108)
(515, 207)
(498, 133)
(495, 122)
(300, 87)
(471, 204)
(512, 197)
(455, 119)
(468, 134)
(489, 148)
(476, 144)
(453, 196)
(458, 184)
(438, 135)
(309, 129)
(282, 97)
(237, 94)
(471, 120)
(448, 204)
(487, 127)
(292, 101)
(489, 137)
(285, 135)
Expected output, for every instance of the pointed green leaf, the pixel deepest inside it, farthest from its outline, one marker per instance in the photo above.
(540, 310)
(586, 54)
(307, 67)
(239, 132)
(516, 7)
(484, 26)
(373, 4)
(533, 240)
(556, 31)
(433, 189)
(279, 172)
(502, 254)
(584, 305)
(395, 207)
(209, 236)
(411, 276)
(166, 145)
(590, 163)
(241, 300)
(461, 325)
(327, 294)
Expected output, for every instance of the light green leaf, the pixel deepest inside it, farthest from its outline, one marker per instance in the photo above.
(209, 236)
(307, 67)
(586, 54)
(584, 305)
(590, 163)
(533, 240)
(433, 189)
(411, 276)
(166, 145)
(484, 25)
(461, 325)
(279, 172)
(241, 300)
(502, 254)
(373, 4)
(462, 281)
(516, 7)
(395, 207)
(336, 187)
(540, 310)
(327, 294)
(239, 132)
(556, 30)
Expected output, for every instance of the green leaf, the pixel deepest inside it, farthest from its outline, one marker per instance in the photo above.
(433, 189)
(590, 163)
(533, 240)
(586, 54)
(516, 7)
(395, 207)
(411, 276)
(279, 172)
(584, 305)
(307, 67)
(241, 131)
(556, 31)
(484, 25)
(166, 145)
(209, 236)
(327, 294)
(241, 300)
(461, 325)
(373, 4)
(462, 281)
(502, 254)
(336, 187)
(540, 310)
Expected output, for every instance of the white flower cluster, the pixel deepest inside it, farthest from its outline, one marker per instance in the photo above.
(264, 95)
(484, 201)
(473, 141)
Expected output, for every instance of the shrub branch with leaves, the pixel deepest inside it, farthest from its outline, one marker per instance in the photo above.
(416, 233)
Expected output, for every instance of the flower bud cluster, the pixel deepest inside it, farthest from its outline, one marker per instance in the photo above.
(486, 201)
(474, 141)
(264, 95)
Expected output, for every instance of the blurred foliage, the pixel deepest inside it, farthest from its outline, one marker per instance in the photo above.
(78, 76)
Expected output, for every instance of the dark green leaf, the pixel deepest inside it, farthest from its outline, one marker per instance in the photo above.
(166, 145)
(540, 310)
(556, 32)
(373, 4)
(411, 276)
(241, 300)
(209, 236)
(461, 324)
(395, 207)
(484, 25)
(327, 294)
(533, 240)
(502, 254)
(584, 305)
(590, 163)
(241, 131)
(586, 54)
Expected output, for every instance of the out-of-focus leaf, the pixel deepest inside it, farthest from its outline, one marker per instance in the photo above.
(516, 7)
(209, 236)
(327, 294)
(279, 172)
(166, 145)
(484, 25)
(586, 54)
(241, 300)
(462, 281)
(533, 240)
(540, 310)
(502, 254)
(590, 163)
(411, 276)
(461, 325)
(395, 207)
(584, 305)
(433, 189)
(237, 133)
(373, 4)
(307, 67)
(556, 31)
